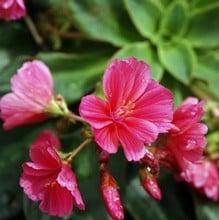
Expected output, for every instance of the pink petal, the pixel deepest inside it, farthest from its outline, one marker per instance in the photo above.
(46, 157)
(57, 200)
(33, 82)
(134, 148)
(141, 129)
(47, 139)
(156, 106)
(95, 111)
(15, 111)
(188, 113)
(12, 9)
(125, 80)
(107, 138)
(67, 179)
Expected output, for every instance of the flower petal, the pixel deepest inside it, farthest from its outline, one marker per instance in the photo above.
(107, 138)
(95, 111)
(134, 148)
(57, 200)
(33, 82)
(125, 80)
(143, 130)
(156, 106)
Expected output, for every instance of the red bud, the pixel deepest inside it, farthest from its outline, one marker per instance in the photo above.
(110, 194)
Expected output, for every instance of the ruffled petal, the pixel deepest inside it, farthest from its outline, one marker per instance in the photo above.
(125, 80)
(156, 106)
(95, 111)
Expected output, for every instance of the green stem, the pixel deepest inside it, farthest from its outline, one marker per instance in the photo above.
(78, 149)
(33, 30)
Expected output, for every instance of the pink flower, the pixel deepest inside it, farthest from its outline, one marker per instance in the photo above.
(12, 9)
(32, 90)
(186, 139)
(49, 179)
(135, 111)
(205, 178)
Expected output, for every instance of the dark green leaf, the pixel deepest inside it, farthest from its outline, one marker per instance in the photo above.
(179, 59)
(103, 20)
(174, 20)
(74, 75)
(143, 51)
(145, 15)
(203, 28)
(207, 70)
(206, 210)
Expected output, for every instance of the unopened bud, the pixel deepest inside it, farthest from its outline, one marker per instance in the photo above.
(149, 183)
(110, 194)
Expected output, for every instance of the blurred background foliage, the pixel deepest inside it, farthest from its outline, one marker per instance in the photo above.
(178, 38)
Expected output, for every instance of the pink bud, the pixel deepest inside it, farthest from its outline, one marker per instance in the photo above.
(149, 183)
(110, 194)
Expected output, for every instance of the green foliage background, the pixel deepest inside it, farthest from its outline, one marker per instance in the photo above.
(178, 38)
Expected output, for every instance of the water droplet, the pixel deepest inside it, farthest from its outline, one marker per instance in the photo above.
(190, 144)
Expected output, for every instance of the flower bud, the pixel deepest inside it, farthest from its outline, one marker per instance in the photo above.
(149, 183)
(110, 194)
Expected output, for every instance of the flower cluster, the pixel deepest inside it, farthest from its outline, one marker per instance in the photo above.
(136, 114)
(12, 9)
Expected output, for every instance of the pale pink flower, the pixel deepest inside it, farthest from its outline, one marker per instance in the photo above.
(12, 9)
(186, 140)
(135, 111)
(205, 178)
(110, 194)
(50, 180)
(32, 90)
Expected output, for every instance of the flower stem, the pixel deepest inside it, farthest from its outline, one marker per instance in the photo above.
(78, 149)
(73, 117)
(32, 28)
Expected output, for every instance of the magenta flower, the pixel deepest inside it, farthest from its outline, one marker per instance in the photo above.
(12, 9)
(49, 179)
(32, 90)
(135, 111)
(186, 139)
(205, 178)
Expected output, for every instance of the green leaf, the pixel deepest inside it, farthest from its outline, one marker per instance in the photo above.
(179, 59)
(203, 29)
(13, 152)
(145, 14)
(74, 75)
(173, 205)
(174, 20)
(103, 20)
(206, 210)
(204, 4)
(207, 70)
(143, 51)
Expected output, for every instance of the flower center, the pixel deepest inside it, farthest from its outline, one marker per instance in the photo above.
(126, 108)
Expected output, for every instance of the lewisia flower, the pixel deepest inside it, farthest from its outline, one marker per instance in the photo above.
(12, 9)
(205, 178)
(32, 94)
(135, 111)
(186, 139)
(49, 179)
